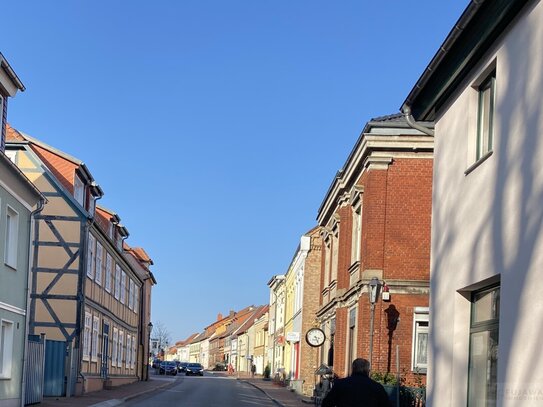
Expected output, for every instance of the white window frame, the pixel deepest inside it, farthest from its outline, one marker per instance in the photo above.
(115, 348)
(117, 281)
(131, 294)
(108, 273)
(136, 298)
(12, 238)
(420, 326)
(91, 256)
(123, 287)
(87, 336)
(99, 263)
(133, 351)
(6, 348)
(95, 333)
(121, 347)
(79, 190)
(128, 360)
(357, 232)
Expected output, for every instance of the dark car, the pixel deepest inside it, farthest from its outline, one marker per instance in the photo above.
(156, 363)
(168, 368)
(220, 367)
(194, 369)
(182, 366)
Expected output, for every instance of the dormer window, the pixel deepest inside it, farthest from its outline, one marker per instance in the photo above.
(110, 230)
(79, 190)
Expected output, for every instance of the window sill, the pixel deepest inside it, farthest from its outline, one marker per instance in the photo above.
(478, 163)
(5, 377)
(420, 370)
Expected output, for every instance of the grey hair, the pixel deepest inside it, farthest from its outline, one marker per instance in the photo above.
(361, 365)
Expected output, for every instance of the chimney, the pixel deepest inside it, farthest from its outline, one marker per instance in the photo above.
(232, 313)
(219, 316)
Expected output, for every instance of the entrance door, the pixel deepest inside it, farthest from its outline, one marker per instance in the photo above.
(55, 362)
(105, 350)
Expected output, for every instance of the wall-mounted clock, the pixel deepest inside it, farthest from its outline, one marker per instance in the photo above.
(315, 337)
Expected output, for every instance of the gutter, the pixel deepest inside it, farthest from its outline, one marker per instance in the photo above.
(32, 221)
(406, 110)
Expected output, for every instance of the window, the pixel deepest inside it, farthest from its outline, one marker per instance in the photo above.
(90, 256)
(123, 287)
(128, 361)
(483, 352)
(12, 238)
(115, 350)
(131, 294)
(87, 336)
(335, 252)
(133, 352)
(121, 345)
(6, 348)
(357, 231)
(108, 273)
(327, 262)
(99, 263)
(95, 322)
(351, 355)
(117, 281)
(136, 298)
(419, 349)
(485, 115)
(79, 190)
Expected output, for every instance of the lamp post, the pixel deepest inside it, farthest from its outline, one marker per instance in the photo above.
(149, 329)
(373, 291)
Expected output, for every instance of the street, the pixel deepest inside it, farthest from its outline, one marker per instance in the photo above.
(207, 391)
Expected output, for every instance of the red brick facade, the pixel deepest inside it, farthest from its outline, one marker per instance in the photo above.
(393, 187)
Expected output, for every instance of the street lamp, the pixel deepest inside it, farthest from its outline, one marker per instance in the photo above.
(373, 291)
(149, 329)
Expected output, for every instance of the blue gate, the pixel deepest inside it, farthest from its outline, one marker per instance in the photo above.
(55, 362)
(35, 355)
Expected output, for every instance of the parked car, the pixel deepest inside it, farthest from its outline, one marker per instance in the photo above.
(182, 366)
(220, 367)
(168, 368)
(156, 363)
(194, 369)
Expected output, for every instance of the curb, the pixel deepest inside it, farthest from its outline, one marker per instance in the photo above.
(263, 391)
(116, 402)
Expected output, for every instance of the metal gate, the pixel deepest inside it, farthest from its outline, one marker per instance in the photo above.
(34, 369)
(55, 362)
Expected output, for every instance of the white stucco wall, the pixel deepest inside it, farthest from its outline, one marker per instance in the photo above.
(490, 222)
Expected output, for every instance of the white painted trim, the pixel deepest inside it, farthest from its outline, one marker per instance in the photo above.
(12, 308)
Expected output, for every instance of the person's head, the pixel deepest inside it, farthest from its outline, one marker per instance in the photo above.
(361, 366)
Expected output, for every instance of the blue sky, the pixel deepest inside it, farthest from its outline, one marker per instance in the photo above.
(214, 127)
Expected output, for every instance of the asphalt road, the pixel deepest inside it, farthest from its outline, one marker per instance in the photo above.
(206, 391)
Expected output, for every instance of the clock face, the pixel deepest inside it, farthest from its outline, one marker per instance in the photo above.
(315, 337)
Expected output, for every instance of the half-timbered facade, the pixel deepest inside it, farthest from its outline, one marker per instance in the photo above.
(85, 293)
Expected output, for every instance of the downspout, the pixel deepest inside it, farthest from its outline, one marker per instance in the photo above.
(406, 110)
(31, 266)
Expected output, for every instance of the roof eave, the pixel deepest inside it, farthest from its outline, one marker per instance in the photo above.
(481, 23)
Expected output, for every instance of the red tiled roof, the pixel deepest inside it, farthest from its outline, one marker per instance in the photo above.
(12, 134)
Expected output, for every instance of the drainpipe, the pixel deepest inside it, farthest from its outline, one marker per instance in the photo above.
(31, 265)
(406, 110)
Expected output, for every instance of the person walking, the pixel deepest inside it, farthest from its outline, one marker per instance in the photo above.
(357, 390)
(253, 370)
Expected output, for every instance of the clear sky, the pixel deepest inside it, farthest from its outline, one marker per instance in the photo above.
(214, 127)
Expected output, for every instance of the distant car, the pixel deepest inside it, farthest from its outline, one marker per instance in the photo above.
(194, 369)
(168, 368)
(182, 366)
(220, 367)
(156, 363)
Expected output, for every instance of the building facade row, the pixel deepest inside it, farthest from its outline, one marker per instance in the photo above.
(81, 288)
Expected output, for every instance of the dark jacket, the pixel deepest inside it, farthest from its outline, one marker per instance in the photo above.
(357, 390)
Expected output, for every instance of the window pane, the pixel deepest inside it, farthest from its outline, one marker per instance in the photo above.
(483, 368)
(486, 306)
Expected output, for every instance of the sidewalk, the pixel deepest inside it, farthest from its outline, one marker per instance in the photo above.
(113, 397)
(280, 395)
